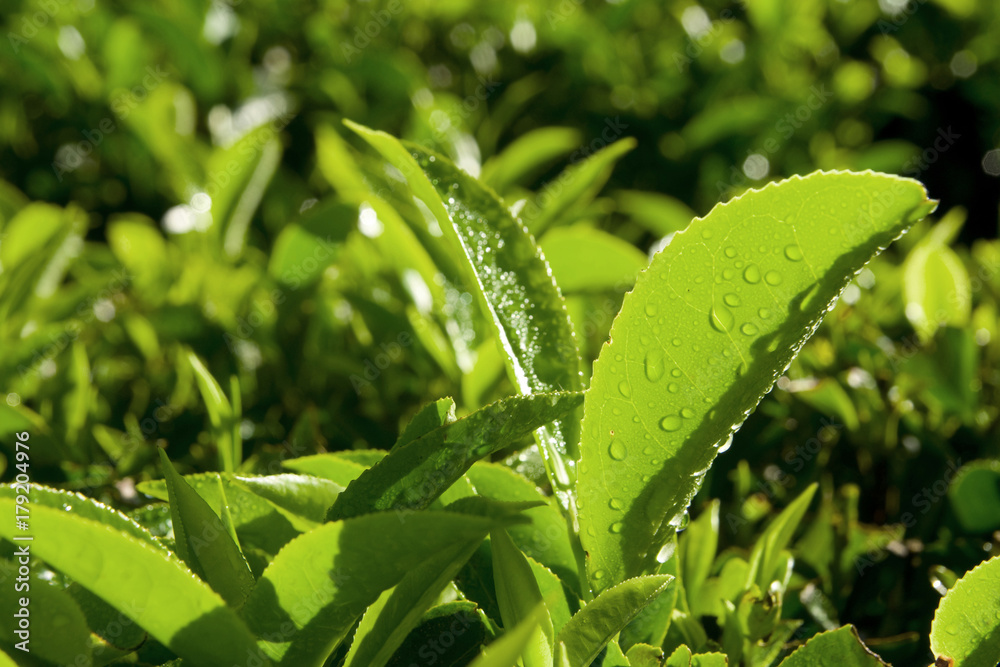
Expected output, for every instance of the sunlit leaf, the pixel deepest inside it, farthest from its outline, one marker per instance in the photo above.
(144, 583)
(412, 476)
(836, 648)
(587, 259)
(203, 541)
(589, 631)
(966, 626)
(719, 314)
(310, 596)
(516, 290)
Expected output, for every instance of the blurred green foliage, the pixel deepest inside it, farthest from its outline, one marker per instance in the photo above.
(193, 251)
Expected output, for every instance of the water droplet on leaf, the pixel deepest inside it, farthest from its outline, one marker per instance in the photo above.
(617, 450)
(670, 423)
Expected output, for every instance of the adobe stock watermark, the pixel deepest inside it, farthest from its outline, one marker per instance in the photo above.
(890, 25)
(373, 366)
(699, 41)
(776, 479)
(33, 22)
(377, 21)
(878, 546)
(262, 310)
(71, 157)
(914, 167)
(101, 306)
(755, 165)
(613, 130)
(432, 650)
(445, 122)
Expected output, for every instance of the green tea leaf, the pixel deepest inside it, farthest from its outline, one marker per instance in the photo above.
(575, 187)
(311, 594)
(431, 416)
(587, 259)
(554, 593)
(449, 635)
(527, 154)
(966, 626)
(144, 583)
(518, 595)
(975, 496)
(298, 495)
(398, 610)
(203, 542)
(546, 538)
(505, 268)
(141, 248)
(659, 213)
(682, 657)
(644, 655)
(589, 631)
(237, 177)
(696, 551)
(651, 625)
(257, 521)
(412, 476)
(220, 414)
(937, 289)
(507, 650)
(766, 558)
(837, 648)
(328, 466)
(304, 248)
(720, 312)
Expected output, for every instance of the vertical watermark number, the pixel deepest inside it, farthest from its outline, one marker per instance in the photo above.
(22, 514)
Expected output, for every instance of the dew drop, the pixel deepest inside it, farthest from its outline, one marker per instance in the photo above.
(793, 252)
(624, 389)
(706, 233)
(651, 309)
(676, 372)
(615, 504)
(617, 451)
(728, 274)
(721, 318)
(732, 299)
(764, 313)
(654, 365)
(751, 274)
(676, 342)
(673, 387)
(616, 528)
(598, 574)
(687, 413)
(749, 328)
(670, 423)
(772, 278)
(730, 252)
